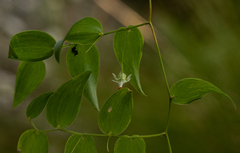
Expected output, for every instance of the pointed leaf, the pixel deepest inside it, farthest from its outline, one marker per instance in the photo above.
(81, 61)
(31, 45)
(188, 90)
(115, 115)
(80, 144)
(63, 106)
(32, 141)
(130, 145)
(37, 105)
(86, 31)
(128, 49)
(29, 76)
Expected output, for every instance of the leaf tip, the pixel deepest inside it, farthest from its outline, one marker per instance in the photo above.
(12, 54)
(15, 104)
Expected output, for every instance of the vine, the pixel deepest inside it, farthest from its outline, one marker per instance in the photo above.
(32, 47)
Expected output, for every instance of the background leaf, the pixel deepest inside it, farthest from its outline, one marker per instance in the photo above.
(32, 141)
(82, 62)
(31, 45)
(128, 49)
(63, 106)
(188, 90)
(115, 115)
(130, 145)
(80, 144)
(29, 76)
(37, 105)
(86, 31)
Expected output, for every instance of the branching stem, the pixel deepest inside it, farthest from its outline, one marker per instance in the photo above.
(164, 74)
(105, 135)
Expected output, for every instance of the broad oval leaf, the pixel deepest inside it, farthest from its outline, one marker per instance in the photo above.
(29, 76)
(78, 61)
(64, 104)
(32, 141)
(37, 105)
(80, 144)
(128, 49)
(115, 115)
(188, 90)
(32, 45)
(86, 31)
(130, 145)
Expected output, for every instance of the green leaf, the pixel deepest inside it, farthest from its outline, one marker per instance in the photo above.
(86, 31)
(115, 115)
(31, 45)
(32, 141)
(82, 62)
(57, 49)
(63, 106)
(80, 144)
(130, 145)
(37, 105)
(128, 49)
(188, 90)
(29, 76)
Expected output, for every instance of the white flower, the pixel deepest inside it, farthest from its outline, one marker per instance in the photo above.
(121, 79)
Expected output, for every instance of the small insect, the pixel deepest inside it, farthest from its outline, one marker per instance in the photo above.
(74, 51)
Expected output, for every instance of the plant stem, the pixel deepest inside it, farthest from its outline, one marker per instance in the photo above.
(66, 45)
(169, 144)
(50, 130)
(160, 58)
(108, 143)
(169, 114)
(88, 134)
(142, 136)
(150, 11)
(139, 25)
(164, 74)
(33, 125)
(105, 135)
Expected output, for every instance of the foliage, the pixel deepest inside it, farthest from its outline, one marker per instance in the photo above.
(63, 105)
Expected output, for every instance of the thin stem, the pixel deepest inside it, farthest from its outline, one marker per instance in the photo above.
(86, 134)
(108, 143)
(169, 144)
(50, 130)
(160, 58)
(66, 45)
(150, 11)
(93, 44)
(105, 135)
(142, 136)
(139, 25)
(169, 114)
(164, 74)
(33, 125)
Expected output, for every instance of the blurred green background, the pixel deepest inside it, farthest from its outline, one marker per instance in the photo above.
(197, 38)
